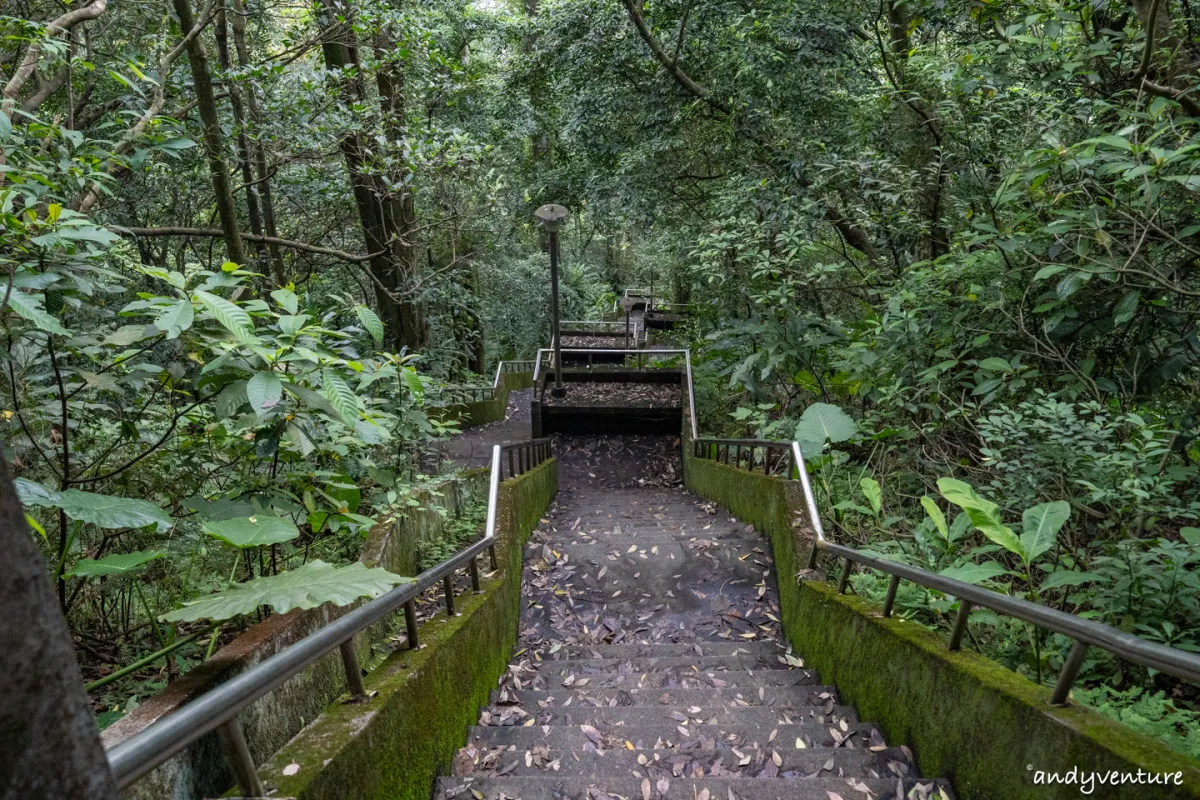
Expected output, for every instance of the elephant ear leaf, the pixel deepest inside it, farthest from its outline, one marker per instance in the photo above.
(253, 531)
(309, 586)
(1042, 524)
(822, 421)
(115, 566)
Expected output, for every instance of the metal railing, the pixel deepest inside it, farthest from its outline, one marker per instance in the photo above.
(218, 708)
(1084, 633)
(773, 458)
(641, 356)
(525, 365)
(455, 394)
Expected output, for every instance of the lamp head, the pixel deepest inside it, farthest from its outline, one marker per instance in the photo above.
(551, 216)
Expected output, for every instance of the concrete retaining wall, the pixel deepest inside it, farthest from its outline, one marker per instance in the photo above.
(986, 728)
(201, 771)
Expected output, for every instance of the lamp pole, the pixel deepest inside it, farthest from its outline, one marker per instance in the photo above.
(551, 217)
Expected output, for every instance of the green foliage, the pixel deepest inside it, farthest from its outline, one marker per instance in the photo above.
(308, 586)
(252, 531)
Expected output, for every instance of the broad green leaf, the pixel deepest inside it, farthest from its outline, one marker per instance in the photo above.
(975, 573)
(313, 400)
(254, 531)
(29, 306)
(110, 511)
(264, 391)
(312, 585)
(413, 381)
(340, 395)
(34, 494)
(371, 322)
(1042, 523)
(821, 421)
(1049, 271)
(176, 319)
(873, 492)
(984, 514)
(115, 565)
(935, 514)
(995, 365)
(1126, 307)
(1067, 577)
(1191, 536)
(287, 299)
(233, 317)
(129, 334)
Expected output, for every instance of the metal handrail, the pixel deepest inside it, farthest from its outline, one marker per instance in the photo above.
(687, 361)
(218, 709)
(508, 366)
(1085, 633)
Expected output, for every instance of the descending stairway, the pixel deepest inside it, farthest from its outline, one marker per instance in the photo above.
(650, 662)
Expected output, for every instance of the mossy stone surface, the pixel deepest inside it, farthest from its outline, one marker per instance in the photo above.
(986, 728)
(394, 746)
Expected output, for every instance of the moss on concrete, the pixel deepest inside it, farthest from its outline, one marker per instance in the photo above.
(986, 728)
(395, 745)
(470, 415)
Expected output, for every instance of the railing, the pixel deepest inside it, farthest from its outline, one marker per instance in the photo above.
(511, 366)
(468, 394)
(773, 458)
(641, 356)
(218, 709)
(1084, 633)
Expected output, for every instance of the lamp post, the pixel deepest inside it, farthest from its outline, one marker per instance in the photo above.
(551, 217)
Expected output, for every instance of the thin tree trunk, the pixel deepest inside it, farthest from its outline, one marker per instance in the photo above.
(402, 209)
(336, 46)
(214, 144)
(50, 749)
(221, 31)
(263, 185)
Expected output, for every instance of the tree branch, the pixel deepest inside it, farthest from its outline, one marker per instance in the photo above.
(216, 233)
(55, 28)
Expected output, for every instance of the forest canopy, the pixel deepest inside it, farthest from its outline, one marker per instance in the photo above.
(250, 247)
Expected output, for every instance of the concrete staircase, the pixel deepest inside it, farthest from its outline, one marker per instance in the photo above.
(651, 665)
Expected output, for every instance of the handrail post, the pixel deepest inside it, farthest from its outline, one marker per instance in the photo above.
(845, 579)
(353, 671)
(410, 624)
(448, 590)
(237, 753)
(475, 575)
(960, 624)
(890, 600)
(1066, 676)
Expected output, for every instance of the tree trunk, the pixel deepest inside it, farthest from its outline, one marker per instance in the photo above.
(214, 144)
(263, 187)
(221, 31)
(402, 215)
(50, 749)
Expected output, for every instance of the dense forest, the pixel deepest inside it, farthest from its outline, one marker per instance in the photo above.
(249, 246)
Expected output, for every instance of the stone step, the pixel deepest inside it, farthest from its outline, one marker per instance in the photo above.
(659, 650)
(748, 762)
(823, 697)
(636, 718)
(566, 788)
(705, 663)
(679, 678)
(672, 735)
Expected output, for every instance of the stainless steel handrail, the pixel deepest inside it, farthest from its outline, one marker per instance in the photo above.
(218, 708)
(500, 369)
(687, 360)
(1084, 632)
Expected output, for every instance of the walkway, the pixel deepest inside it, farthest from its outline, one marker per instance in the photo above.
(650, 663)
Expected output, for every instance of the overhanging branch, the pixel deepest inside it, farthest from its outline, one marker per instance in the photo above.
(216, 233)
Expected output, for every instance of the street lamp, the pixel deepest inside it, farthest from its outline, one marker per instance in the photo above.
(551, 217)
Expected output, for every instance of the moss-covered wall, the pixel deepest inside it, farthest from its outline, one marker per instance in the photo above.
(394, 746)
(470, 415)
(986, 728)
(200, 771)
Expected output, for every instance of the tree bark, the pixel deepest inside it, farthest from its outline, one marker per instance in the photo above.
(214, 140)
(50, 749)
(263, 186)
